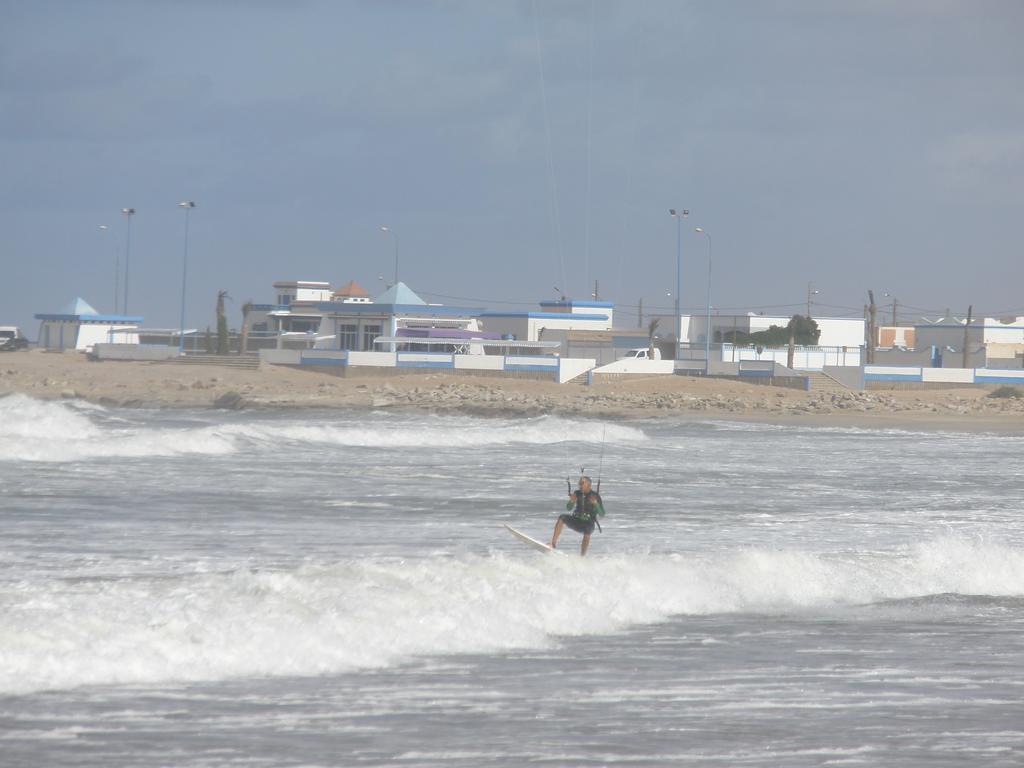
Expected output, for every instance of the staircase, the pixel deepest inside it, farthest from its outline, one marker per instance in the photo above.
(247, 362)
(822, 382)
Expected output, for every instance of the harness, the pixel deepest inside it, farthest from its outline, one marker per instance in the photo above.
(581, 510)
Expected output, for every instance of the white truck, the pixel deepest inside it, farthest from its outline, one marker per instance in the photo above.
(11, 338)
(642, 353)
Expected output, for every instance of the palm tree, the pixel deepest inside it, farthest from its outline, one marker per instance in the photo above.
(246, 309)
(652, 328)
(222, 324)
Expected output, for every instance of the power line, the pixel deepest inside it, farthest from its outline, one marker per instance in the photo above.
(475, 299)
(630, 309)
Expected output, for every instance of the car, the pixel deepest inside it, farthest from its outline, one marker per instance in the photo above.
(11, 338)
(642, 353)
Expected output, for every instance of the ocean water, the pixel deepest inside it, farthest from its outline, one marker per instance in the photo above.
(313, 588)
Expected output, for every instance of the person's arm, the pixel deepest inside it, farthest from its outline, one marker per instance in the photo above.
(571, 503)
(598, 505)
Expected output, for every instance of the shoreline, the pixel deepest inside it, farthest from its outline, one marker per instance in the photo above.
(69, 375)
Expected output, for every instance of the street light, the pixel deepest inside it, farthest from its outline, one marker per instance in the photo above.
(128, 212)
(394, 238)
(895, 303)
(707, 328)
(188, 205)
(679, 216)
(117, 265)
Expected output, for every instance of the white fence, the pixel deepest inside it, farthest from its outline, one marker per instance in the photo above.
(804, 358)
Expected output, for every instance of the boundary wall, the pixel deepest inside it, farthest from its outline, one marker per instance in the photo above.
(899, 374)
(344, 363)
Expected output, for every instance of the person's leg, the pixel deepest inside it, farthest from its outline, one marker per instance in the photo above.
(557, 532)
(585, 545)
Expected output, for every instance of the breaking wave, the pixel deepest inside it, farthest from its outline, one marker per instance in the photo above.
(40, 430)
(443, 432)
(63, 431)
(325, 618)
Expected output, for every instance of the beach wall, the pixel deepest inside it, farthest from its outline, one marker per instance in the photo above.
(850, 377)
(343, 362)
(133, 352)
(631, 366)
(903, 374)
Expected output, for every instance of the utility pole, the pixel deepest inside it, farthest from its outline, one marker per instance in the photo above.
(810, 292)
(679, 216)
(640, 313)
(128, 213)
(872, 309)
(967, 331)
(895, 302)
(595, 290)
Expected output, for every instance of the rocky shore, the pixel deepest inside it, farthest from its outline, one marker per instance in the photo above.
(136, 384)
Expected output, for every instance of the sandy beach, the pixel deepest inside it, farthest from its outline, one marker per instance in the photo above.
(143, 384)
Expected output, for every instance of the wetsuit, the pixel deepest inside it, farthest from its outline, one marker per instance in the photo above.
(585, 511)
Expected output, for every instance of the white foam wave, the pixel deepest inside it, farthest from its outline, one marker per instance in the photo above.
(61, 431)
(57, 431)
(443, 432)
(331, 618)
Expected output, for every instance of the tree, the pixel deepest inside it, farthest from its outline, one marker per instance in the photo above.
(804, 331)
(222, 324)
(652, 328)
(244, 344)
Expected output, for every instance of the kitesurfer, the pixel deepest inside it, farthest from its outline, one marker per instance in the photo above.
(586, 506)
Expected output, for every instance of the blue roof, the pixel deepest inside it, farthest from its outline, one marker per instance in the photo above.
(78, 306)
(80, 309)
(399, 293)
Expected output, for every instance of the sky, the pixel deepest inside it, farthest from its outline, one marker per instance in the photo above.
(516, 150)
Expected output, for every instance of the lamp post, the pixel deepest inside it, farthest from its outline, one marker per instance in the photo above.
(895, 303)
(679, 216)
(394, 238)
(128, 213)
(188, 205)
(707, 327)
(117, 264)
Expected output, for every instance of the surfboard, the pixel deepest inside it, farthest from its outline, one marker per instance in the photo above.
(538, 545)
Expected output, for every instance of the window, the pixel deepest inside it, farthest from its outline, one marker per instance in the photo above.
(348, 337)
(370, 332)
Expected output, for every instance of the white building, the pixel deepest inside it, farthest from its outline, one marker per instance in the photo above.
(289, 291)
(999, 338)
(347, 319)
(835, 331)
(563, 315)
(282, 316)
(79, 326)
